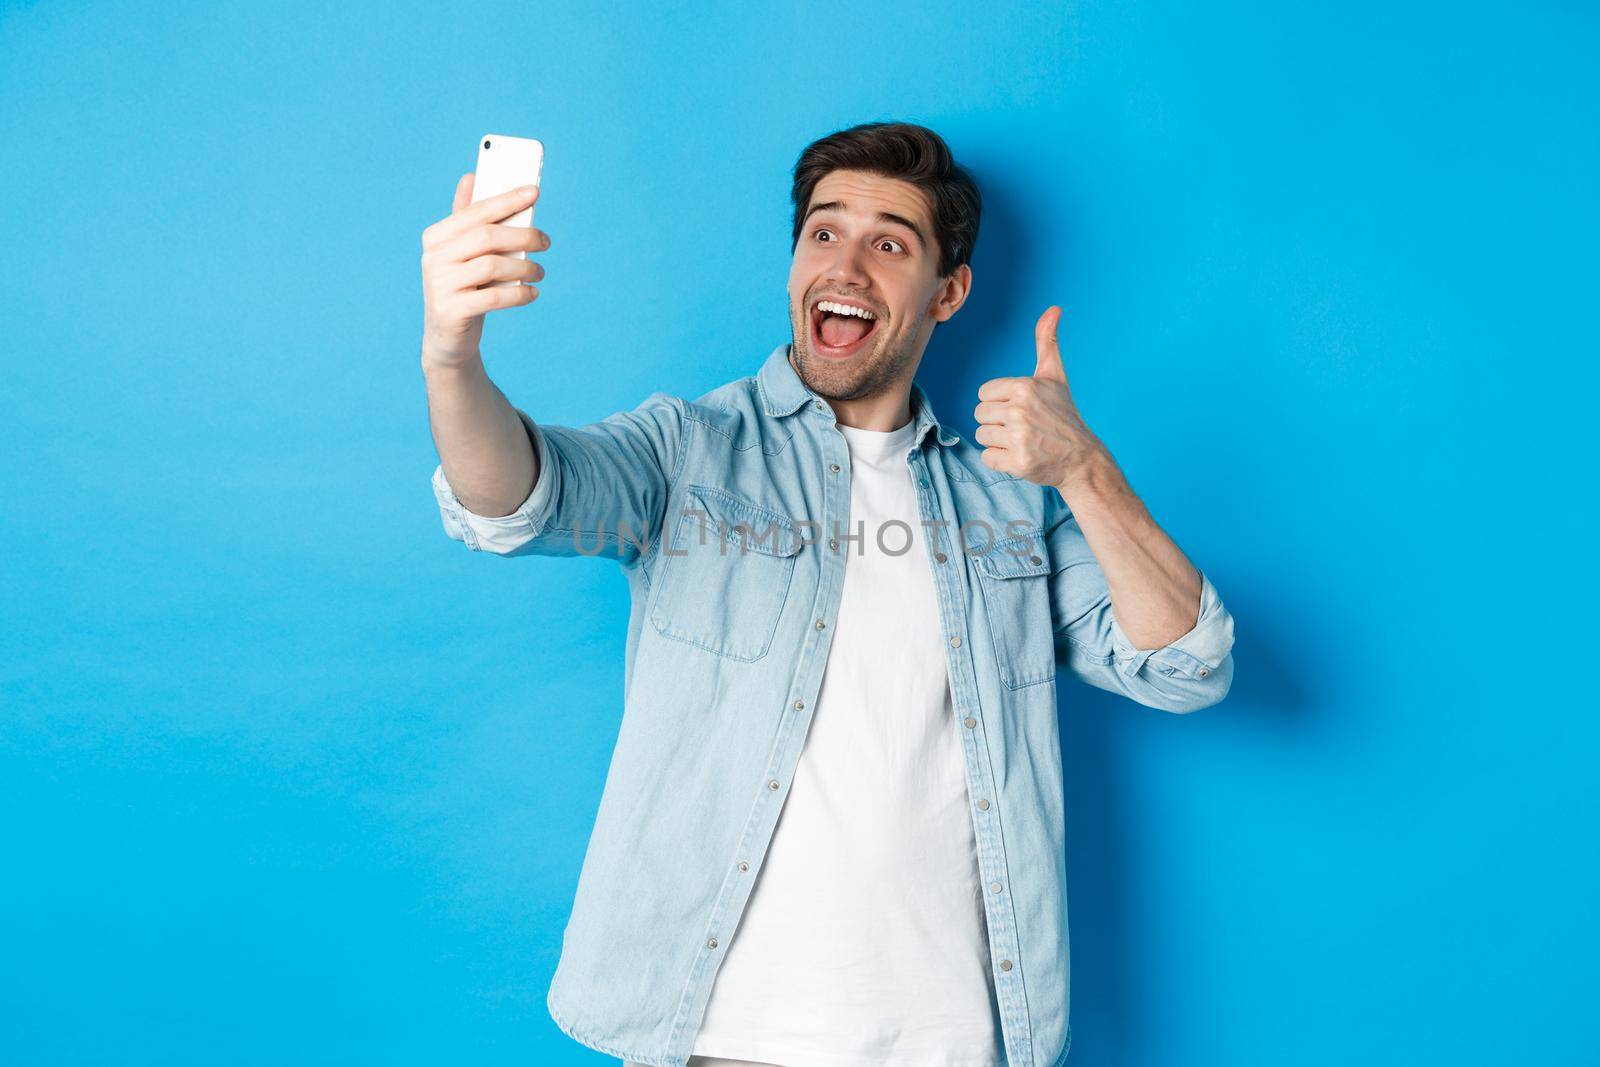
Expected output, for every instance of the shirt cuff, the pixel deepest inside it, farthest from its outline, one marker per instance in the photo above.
(1194, 655)
(502, 532)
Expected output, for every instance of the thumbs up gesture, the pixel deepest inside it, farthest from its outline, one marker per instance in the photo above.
(1030, 426)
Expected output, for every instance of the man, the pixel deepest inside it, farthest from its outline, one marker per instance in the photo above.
(843, 613)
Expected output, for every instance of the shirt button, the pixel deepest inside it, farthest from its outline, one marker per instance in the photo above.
(743, 866)
(772, 784)
(834, 467)
(1204, 672)
(923, 482)
(983, 805)
(994, 887)
(955, 642)
(1034, 560)
(820, 624)
(712, 943)
(1005, 965)
(833, 544)
(799, 705)
(817, 404)
(940, 556)
(969, 722)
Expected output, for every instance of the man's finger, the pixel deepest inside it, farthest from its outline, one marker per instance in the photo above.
(990, 411)
(463, 192)
(994, 435)
(491, 210)
(997, 388)
(1049, 365)
(996, 459)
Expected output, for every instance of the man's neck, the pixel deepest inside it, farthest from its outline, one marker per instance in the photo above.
(886, 411)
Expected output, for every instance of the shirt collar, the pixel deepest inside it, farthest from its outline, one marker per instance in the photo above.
(783, 393)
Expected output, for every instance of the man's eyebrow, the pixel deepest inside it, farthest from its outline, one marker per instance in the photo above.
(883, 216)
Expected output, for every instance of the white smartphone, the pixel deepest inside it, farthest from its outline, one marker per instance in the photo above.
(506, 163)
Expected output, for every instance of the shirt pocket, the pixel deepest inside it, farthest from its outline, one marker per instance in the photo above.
(725, 574)
(1014, 575)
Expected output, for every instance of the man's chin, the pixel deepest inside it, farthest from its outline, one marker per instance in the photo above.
(837, 378)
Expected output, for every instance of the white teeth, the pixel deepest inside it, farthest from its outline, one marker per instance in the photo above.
(844, 309)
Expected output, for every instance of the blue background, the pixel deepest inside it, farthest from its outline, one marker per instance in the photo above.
(289, 776)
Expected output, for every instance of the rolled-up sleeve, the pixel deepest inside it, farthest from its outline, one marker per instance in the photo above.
(1193, 672)
(601, 488)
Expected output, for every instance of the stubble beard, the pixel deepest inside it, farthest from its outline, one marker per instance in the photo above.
(868, 374)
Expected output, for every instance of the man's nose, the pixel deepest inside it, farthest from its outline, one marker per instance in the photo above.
(848, 269)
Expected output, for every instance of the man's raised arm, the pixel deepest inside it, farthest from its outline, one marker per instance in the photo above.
(503, 484)
(487, 456)
(1130, 613)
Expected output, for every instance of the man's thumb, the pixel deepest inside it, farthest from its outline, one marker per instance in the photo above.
(1044, 336)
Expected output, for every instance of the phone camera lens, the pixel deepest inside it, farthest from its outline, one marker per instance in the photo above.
(486, 144)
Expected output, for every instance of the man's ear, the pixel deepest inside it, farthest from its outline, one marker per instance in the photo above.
(952, 293)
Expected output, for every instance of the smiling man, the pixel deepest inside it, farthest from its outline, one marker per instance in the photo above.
(832, 830)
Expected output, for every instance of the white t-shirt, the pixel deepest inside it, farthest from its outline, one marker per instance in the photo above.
(863, 942)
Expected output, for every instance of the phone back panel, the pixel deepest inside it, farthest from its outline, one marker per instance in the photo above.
(506, 163)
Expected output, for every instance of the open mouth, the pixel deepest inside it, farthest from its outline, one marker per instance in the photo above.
(835, 336)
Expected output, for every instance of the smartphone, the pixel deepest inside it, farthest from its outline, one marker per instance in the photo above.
(506, 163)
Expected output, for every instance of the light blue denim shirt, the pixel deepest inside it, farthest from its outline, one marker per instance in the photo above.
(728, 636)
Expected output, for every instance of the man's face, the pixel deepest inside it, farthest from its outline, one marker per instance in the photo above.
(866, 241)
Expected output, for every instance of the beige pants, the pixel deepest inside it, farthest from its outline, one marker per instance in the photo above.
(711, 1061)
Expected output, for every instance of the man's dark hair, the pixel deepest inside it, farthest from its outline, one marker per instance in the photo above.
(911, 153)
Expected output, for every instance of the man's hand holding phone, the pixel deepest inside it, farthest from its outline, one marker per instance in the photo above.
(461, 257)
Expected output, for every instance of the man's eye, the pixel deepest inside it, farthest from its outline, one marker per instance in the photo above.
(885, 241)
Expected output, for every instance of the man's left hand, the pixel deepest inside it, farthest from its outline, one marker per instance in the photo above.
(1031, 425)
